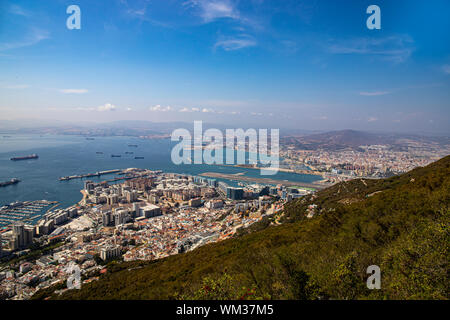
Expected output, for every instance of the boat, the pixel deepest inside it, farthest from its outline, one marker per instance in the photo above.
(129, 152)
(133, 145)
(90, 139)
(139, 157)
(10, 182)
(32, 156)
(115, 156)
(99, 152)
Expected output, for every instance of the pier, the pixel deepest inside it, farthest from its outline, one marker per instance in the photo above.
(88, 175)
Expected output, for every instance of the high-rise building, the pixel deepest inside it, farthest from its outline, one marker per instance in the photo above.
(88, 185)
(106, 218)
(131, 196)
(135, 212)
(18, 234)
(112, 199)
(150, 211)
(109, 252)
(28, 235)
(22, 236)
(235, 193)
(120, 217)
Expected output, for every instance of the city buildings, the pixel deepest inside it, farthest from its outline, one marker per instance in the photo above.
(148, 216)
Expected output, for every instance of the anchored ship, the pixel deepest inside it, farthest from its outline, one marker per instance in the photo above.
(10, 182)
(32, 156)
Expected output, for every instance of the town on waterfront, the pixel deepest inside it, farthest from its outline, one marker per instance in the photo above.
(197, 150)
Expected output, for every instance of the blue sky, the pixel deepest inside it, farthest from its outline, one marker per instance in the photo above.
(297, 64)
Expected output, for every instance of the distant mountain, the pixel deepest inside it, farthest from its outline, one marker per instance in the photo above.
(321, 250)
(350, 138)
(335, 140)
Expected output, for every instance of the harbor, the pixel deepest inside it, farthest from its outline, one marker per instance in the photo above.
(26, 211)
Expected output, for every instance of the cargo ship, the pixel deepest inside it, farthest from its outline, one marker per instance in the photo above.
(116, 156)
(32, 156)
(10, 182)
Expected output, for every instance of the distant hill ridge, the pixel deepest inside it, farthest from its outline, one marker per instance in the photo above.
(335, 140)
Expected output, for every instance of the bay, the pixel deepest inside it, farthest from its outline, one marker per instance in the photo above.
(65, 155)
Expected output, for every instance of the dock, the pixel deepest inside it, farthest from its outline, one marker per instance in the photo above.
(89, 175)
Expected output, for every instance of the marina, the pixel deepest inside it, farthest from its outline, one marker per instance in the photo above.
(27, 211)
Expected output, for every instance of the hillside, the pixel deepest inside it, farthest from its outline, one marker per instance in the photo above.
(400, 224)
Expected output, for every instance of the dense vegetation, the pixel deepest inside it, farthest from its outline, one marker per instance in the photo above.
(400, 224)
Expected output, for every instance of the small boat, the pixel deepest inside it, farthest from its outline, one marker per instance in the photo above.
(139, 157)
(116, 156)
(99, 152)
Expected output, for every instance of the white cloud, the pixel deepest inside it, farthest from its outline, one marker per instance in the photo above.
(33, 38)
(161, 109)
(207, 110)
(75, 91)
(235, 44)
(15, 9)
(374, 93)
(107, 107)
(210, 10)
(194, 109)
(138, 12)
(129, 109)
(397, 48)
(446, 68)
(372, 119)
